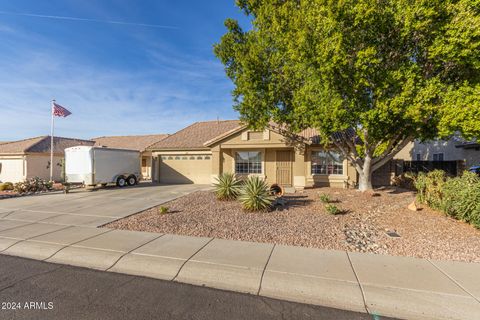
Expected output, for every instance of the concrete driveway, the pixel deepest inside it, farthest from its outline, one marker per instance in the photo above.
(87, 208)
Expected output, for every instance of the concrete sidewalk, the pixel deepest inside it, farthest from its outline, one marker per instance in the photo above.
(85, 294)
(397, 287)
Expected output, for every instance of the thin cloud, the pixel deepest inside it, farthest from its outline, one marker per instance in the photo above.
(147, 25)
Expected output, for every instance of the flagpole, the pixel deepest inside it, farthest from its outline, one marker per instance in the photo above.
(51, 141)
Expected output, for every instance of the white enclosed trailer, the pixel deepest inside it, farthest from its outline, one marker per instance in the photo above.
(99, 165)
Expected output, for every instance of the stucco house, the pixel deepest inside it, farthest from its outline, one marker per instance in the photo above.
(203, 150)
(454, 149)
(29, 158)
(137, 142)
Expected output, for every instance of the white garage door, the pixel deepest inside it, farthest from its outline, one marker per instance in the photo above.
(186, 169)
(11, 170)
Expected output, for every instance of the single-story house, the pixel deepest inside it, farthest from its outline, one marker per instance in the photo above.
(454, 149)
(139, 143)
(29, 158)
(203, 150)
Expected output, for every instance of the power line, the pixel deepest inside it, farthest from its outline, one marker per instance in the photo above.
(88, 20)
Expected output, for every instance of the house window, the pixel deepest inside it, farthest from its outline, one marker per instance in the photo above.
(419, 157)
(438, 157)
(324, 162)
(248, 162)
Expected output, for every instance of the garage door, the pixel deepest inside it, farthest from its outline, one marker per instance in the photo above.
(11, 170)
(186, 169)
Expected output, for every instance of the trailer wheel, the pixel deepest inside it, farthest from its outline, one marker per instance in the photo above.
(121, 181)
(132, 180)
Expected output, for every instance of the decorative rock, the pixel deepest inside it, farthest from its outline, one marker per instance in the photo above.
(413, 206)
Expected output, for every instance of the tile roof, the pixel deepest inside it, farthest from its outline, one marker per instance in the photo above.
(195, 135)
(41, 145)
(309, 135)
(140, 143)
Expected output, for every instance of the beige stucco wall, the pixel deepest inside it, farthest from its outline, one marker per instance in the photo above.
(38, 166)
(268, 145)
(12, 168)
(242, 140)
(447, 147)
(347, 179)
(269, 168)
(427, 149)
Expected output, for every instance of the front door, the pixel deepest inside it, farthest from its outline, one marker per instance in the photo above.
(284, 168)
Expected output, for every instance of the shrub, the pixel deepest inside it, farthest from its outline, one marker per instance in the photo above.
(255, 195)
(433, 188)
(406, 180)
(457, 197)
(163, 210)
(33, 185)
(461, 198)
(227, 187)
(429, 187)
(332, 209)
(325, 198)
(6, 186)
(419, 184)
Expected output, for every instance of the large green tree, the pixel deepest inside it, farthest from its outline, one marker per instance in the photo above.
(388, 71)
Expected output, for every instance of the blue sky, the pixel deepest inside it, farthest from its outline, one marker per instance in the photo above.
(116, 79)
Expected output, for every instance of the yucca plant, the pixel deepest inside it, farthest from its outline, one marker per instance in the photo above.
(227, 186)
(255, 195)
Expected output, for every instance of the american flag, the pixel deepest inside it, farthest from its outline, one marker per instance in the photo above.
(59, 111)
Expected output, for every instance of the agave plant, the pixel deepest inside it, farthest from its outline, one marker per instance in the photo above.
(255, 195)
(227, 187)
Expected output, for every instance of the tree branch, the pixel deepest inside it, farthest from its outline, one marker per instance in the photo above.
(393, 143)
(354, 159)
(387, 157)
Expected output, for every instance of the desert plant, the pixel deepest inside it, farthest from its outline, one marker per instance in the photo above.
(420, 184)
(433, 188)
(255, 195)
(33, 185)
(461, 198)
(332, 209)
(163, 210)
(405, 180)
(325, 198)
(227, 186)
(6, 186)
(429, 187)
(457, 197)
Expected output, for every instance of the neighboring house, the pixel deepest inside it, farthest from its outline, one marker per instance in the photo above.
(139, 143)
(455, 149)
(203, 150)
(29, 158)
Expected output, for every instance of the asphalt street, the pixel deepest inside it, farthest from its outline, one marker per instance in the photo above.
(37, 290)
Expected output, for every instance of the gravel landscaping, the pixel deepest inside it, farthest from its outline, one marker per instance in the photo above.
(303, 221)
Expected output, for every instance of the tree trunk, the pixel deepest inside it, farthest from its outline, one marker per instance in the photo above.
(365, 175)
(365, 182)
